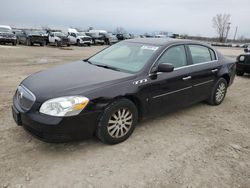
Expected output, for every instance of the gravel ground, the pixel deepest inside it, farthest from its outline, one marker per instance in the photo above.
(199, 146)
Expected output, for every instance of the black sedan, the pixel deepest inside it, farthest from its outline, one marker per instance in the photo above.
(243, 64)
(108, 93)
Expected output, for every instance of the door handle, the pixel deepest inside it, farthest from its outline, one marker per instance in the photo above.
(214, 70)
(186, 78)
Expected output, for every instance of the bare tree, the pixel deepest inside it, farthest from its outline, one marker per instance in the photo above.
(221, 24)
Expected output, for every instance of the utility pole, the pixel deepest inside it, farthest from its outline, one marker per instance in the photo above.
(236, 29)
(228, 28)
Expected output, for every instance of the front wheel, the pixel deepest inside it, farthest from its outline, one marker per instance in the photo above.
(58, 44)
(218, 92)
(117, 122)
(239, 73)
(28, 42)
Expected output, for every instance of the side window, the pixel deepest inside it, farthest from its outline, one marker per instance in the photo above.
(175, 55)
(200, 54)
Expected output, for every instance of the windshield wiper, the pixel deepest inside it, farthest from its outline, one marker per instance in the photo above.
(107, 67)
(104, 66)
(85, 60)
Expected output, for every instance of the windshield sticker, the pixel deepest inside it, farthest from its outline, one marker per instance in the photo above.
(149, 48)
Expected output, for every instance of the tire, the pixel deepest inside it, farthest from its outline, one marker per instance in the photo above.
(28, 43)
(58, 43)
(113, 130)
(239, 73)
(88, 44)
(78, 43)
(14, 43)
(218, 92)
(68, 45)
(43, 43)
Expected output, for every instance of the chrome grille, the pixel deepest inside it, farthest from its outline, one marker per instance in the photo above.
(25, 98)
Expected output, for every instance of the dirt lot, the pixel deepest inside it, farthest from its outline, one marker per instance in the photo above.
(200, 146)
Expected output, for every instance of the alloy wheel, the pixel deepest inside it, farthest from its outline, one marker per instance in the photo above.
(120, 123)
(220, 92)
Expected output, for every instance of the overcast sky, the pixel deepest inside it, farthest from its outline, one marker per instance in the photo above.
(191, 17)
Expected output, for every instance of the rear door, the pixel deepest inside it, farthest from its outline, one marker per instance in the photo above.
(205, 67)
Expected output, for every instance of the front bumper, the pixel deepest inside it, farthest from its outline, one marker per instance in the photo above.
(7, 40)
(244, 67)
(57, 129)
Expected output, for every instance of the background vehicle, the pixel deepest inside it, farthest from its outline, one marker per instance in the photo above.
(134, 79)
(247, 49)
(31, 37)
(58, 38)
(109, 38)
(243, 64)
(6, 35)
(123, 36)
(79, 38)
(98, 36)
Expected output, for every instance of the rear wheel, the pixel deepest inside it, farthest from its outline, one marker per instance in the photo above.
(218, 92)
(78, 43)
(117, 122)
(14, 43)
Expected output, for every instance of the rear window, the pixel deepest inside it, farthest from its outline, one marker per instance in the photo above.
(201, 54)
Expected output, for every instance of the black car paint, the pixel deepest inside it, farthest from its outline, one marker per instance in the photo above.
(153, 93)
(243, 66)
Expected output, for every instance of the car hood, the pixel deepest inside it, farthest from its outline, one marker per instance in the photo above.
(77, 78)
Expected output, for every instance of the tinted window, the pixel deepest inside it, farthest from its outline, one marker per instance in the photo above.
(200, 54)
(175, 55)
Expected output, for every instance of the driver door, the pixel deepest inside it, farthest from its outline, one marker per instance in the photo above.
(171, 90)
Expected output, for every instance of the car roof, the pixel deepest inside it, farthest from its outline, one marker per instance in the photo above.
(159, 41)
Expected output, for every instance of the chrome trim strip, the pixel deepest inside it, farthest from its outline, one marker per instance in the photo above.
(163, 51)
(157, 96)
(202, 83)
(195, 64)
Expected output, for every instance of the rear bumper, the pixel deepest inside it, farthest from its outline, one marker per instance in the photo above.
(57, 129)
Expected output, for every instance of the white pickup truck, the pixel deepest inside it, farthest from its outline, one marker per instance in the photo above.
(58, 39)
(78, 38)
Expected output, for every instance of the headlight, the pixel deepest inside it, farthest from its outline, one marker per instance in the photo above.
(242, 58)
(64, 106)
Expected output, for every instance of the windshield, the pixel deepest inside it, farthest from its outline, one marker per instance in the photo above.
(59, 34)
(81, 34)
(125, 56)
(33, 32)
(3, 29)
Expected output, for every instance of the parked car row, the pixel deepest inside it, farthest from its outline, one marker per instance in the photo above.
(58, 38)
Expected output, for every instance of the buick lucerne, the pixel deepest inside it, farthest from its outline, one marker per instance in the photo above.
(108, 93)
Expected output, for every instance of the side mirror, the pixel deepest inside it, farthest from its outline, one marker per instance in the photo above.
(165, 67)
